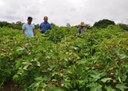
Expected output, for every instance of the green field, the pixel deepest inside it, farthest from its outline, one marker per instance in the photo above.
(63, 60)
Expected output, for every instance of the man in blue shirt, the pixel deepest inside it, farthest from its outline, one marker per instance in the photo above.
(28, 28)
(45, 26)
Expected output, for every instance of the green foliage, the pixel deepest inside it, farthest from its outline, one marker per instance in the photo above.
(62, 60)
(57, 34)
(103, 23)
(17, 25)
(124, 26)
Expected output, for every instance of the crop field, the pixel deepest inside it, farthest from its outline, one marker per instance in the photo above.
(63, 60)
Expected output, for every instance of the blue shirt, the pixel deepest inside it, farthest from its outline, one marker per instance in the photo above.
(28, 29)
(44, 27)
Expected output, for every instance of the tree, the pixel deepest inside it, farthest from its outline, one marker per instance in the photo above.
(123, 26)
(103, 23)
(68, 25)
(4, 23)
(17, 25)
(87, 26)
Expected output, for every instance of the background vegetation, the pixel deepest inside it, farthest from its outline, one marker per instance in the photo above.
(63, 60)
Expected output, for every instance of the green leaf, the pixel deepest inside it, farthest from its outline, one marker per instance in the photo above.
(95, 77)
(97, 87)
(121, 54)
(104, 80)
(38, 64)
(109, 88)
(121, 87)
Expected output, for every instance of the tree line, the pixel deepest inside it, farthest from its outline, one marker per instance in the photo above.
(100, 24)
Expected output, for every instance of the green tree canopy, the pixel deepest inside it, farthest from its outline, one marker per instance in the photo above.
(103, 23)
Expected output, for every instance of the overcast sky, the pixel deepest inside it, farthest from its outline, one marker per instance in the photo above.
(61, 12)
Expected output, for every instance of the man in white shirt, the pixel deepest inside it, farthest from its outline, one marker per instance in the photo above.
(28, 28)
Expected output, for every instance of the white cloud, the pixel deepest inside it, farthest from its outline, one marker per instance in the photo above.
(1, 3)
(62, 11)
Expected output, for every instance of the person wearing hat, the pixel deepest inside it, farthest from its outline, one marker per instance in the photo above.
(28, 28)
(81, 27)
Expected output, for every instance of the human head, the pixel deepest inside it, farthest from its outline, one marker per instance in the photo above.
(82, 24)
(29, 20)
(45, 19)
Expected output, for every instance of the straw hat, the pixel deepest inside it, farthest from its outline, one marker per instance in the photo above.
(82, 24)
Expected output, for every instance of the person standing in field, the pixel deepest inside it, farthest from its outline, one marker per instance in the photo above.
(45, 26)
(28, 28)
(81, 27)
